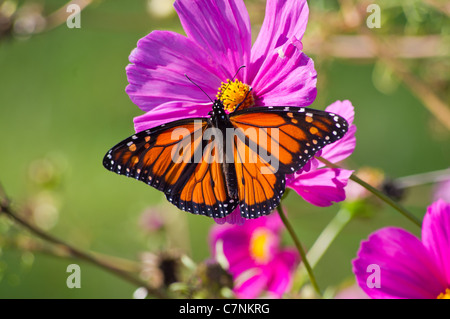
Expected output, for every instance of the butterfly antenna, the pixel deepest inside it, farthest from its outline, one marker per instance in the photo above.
(235, 75)
(240, 68)
(198, 87)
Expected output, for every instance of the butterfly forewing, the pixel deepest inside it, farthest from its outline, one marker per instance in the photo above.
(290, 134)
(282, 139)
(176, 159)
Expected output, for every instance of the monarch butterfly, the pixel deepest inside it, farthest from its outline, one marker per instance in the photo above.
(204, 173)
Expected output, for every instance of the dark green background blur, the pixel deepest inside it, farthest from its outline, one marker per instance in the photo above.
(63, 102)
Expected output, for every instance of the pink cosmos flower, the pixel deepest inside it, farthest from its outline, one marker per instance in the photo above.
(254, 256)
(408, 267)
(218, 42)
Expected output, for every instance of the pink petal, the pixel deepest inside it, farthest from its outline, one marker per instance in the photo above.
(234, 218)
(286, 78)
(321, 187)
(235, 240)
(221, 28)
(436, 236)
(282, 275)
(283, 20)
(252, 287)
(341, 149)
(157, 73)
(406, 268)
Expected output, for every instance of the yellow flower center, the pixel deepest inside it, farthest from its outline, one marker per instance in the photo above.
(260, 245)
(233, 93)
(445, 295)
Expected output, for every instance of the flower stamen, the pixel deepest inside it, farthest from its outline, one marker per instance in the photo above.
(233, 93)
(445, 295)
(261, 245)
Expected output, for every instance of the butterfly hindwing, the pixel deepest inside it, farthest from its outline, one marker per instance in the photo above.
(205, 191)
(260, 185)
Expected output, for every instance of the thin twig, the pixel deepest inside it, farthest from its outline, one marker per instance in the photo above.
(423, 178)
(359, 46)
(75, 252)
(435, 105)
(377, 193)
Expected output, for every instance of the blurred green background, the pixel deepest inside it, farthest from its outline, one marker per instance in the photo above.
(63, 105)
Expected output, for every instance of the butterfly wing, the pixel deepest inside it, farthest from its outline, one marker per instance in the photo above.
(174, 159)
(272, 142)
(205, 191)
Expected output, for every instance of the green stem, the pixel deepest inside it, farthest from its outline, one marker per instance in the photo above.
(377, 193)
(300, 249)
(324, 241)
(328, 235)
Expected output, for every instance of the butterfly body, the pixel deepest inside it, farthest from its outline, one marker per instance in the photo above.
(210, 165)
(221, 121)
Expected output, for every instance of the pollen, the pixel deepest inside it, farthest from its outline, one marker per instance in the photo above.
(235, 93)
(261, 245)
(444, 295)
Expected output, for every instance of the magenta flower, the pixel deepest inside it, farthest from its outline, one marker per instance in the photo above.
(408, 267)
(218, 42)
(323, 186)
(254, 256)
